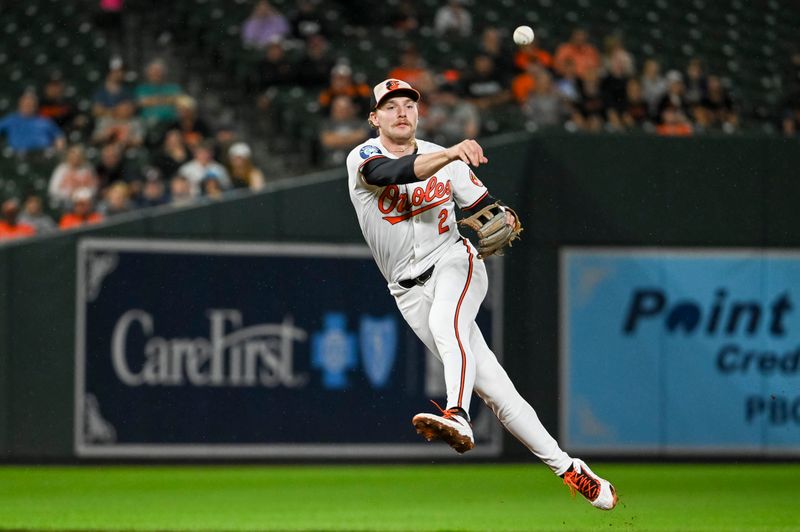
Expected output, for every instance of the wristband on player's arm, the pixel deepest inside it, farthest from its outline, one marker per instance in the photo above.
(382, 171)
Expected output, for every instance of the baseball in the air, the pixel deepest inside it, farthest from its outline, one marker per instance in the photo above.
(523, 35)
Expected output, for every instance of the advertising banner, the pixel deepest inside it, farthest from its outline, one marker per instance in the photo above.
(671, 352)
(208, 349)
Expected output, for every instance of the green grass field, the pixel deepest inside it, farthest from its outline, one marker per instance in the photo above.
(437, 497)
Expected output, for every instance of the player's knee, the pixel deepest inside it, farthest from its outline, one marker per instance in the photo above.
(446, 334)
(439, 328)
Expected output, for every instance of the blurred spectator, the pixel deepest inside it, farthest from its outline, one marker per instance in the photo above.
(450, 119)
(33, 215)
(193, 129)
(110, 15)
(82, 210)
(674, 123)
(524, 83)
(342, 84)
(405, 17)
(211, 188)
(591, 108)
(274, 68)
(224, 138)
(122, 127)
(155, 96)
(315, 67)
(341, 132)
(411, 68)
(492, 44)
(202, 166)
(243, 173)
(112, 91)
(264, 26)
(614, 87)
(110, 19)
(55, 105)
(615, 52)
(636, 112)
(427, 83)
(546, 107)
(172, 155)
(72, 174)
(695, 83)
(453, 19)
(116, 200)
(716, 109)
(581, 51)
(675, 98)
(10, 226)
(113, 167)
(154, 193)
(25, 130)
(482, 85)
(568, 84)
(307, 21)
(534, 53)
(790, 120)
(654, 85)
(180, 190)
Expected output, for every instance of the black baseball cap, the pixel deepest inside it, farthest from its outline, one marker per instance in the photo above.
(390, 88)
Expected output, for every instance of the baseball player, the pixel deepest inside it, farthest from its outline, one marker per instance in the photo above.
(405, 192)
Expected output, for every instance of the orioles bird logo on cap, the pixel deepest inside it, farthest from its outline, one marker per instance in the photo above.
(392, 84)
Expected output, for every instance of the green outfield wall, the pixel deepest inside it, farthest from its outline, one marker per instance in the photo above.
(568, 190)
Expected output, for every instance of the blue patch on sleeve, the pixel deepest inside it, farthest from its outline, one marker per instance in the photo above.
(368, 151)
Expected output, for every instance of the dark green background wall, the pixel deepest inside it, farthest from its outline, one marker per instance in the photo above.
(569, 190)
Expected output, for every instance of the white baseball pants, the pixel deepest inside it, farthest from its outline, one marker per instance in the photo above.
(442, 313)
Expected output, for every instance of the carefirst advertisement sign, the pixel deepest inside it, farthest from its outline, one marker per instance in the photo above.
(203, 349)
(676, 352)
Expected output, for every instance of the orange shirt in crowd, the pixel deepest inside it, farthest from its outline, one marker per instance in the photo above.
(531, 54)
(74, 220)
(15, 231)
(674, 130)
(522, 86)
(412, 76)
(585, 57)
(354, 91)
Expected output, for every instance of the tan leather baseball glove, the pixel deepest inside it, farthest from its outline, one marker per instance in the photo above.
(493, 232)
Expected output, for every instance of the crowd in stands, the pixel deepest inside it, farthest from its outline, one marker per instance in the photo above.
(140, 145)
(574, 85)
(147, 144)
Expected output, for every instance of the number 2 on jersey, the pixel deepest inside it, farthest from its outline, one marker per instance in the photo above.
(442, 221)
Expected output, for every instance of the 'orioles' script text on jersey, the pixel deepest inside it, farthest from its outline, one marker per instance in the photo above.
(420, 200)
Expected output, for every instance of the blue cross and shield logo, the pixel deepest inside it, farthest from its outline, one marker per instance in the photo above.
(378, 339)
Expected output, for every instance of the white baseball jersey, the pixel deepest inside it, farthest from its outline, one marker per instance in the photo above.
(409, 227)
